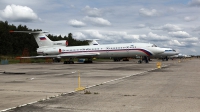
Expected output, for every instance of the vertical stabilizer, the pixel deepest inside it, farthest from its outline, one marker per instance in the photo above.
(42, 40)
(93, 42)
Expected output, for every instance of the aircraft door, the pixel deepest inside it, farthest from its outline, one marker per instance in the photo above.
(127, 50)
(108, 51)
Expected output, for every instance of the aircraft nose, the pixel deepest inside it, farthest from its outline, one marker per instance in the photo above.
(177, 53)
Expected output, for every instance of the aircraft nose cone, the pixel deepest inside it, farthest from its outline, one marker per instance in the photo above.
(176, 53)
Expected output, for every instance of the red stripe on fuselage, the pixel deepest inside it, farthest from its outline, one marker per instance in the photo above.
(142, 50)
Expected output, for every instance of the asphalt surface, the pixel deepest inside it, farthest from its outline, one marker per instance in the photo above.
(137, 88)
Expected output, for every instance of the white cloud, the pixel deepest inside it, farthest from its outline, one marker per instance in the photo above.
(147, 12)
(191, 39)
(92, 12)
(122, 36)
(176, 43)
(19, 13)
(193, 50)
(167, 27)
(76, 23)
(79, 36)
(179, 34)
(93, 34)
(124, 21)
(188, 18)
(195, 44)
(141, 26)
(194, 3)
(97, 21)
(154, 37)
(107, 37)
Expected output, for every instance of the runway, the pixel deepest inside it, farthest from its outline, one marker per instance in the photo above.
(139, 87)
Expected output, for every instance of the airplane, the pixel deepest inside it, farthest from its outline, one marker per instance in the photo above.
(164, 56)
(58, 49)
(180, 56)
(168, 53)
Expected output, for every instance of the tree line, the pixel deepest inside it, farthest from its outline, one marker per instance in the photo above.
(13, 44)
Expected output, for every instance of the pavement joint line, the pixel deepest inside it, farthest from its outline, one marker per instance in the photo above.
(78, 90)
(124, 77)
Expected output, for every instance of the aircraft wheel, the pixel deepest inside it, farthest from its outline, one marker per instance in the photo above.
(140, 61)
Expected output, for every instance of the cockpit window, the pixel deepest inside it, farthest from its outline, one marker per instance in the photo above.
(154, 45)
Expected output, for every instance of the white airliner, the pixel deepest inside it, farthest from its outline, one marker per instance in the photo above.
(168, 52)
(180, 56)
(164, 56)
(58, 49)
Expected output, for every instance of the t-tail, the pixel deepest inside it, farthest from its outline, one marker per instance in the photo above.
(92, 42)
(42, 40)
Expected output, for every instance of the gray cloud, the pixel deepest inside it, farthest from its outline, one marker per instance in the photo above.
(194, 3)
(189, 18)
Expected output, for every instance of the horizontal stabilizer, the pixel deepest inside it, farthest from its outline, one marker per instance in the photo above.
(30, 32)
(63, 55)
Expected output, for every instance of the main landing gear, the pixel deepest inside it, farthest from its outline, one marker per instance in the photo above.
(56, 60)
(70, 61)
(144, 58)
(89, 60)
(118, 59)
(165, 58)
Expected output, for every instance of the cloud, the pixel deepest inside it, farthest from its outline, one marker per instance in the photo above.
(167, 27)
(188, 18)
(76, 23)
(196, 29)
(141, 26)
(107, 37)
(179, 34)
(147, 12)
(192, 39)
(92, 12)
(97, 21)
(194, 3)
(122, 36)
(154, 37)
(79, 36)
(176, 43)
(19, 13)
(94, 34)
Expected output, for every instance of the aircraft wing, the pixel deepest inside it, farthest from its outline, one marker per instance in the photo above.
(64, 55)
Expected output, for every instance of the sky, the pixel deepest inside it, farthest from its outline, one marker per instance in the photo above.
(166, 23)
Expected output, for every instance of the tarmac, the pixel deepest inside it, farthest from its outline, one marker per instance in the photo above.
(110, 87)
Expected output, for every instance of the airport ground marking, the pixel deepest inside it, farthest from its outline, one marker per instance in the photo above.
(79, 90)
